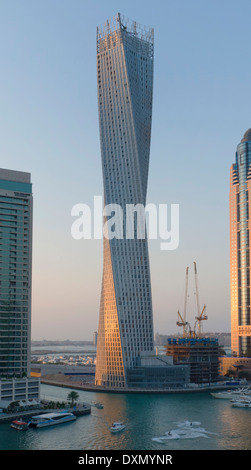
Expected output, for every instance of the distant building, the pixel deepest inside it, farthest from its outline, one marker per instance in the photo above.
(95, 338)
(240, 226)
(201, 354)
(16, 210)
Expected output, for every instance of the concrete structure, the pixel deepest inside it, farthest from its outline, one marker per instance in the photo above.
(240, 226)
(16, 209)
(125, 85)
(201, 354)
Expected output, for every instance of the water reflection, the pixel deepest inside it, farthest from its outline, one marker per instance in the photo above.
(236, 427)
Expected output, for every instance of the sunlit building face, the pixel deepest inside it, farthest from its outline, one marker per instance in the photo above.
(240, 218)
(125, 84)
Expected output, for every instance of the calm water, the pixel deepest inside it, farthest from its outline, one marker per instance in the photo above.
(216, 424)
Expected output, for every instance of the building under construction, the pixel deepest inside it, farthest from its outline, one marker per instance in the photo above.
(200, 353)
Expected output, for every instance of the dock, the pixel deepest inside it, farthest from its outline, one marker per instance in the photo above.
(79, 410)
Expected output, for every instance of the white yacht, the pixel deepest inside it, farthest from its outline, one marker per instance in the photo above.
(242, 402)
(50, 419)
(116, 427)
(231, 394)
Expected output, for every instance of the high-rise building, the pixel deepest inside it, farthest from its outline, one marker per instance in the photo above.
(240, 231)
(15, 272)
(125, 88)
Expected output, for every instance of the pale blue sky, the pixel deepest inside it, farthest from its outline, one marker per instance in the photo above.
(49, 127)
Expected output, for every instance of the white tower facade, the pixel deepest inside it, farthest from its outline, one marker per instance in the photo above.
(125, 88)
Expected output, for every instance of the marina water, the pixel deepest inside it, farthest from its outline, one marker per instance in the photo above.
(198, 421)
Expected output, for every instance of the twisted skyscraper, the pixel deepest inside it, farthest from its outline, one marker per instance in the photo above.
(125, 87)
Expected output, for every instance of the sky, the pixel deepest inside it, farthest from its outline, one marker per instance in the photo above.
(49, 127)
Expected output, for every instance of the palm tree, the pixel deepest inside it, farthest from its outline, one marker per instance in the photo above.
(73, 396)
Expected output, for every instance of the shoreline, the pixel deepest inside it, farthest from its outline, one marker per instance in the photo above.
(96, 388)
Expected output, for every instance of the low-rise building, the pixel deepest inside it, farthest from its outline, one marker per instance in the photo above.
(26, 391)
(235, 365)
(157, 372)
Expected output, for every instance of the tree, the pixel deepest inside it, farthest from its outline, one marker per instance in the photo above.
(230, 373)
(72, 397)
(13, 406)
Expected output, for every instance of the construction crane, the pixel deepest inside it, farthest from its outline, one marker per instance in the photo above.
(182, 320)
(188, 332)
(201, 314)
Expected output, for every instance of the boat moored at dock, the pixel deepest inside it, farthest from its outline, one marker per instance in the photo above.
(231, 394)
(242, 402)
(19, 425)
(51, 419)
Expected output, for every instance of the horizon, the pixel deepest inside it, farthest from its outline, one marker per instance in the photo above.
(91, 341)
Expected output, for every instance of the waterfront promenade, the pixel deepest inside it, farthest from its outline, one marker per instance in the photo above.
(82, 378)
(95, 388)
(81, 409)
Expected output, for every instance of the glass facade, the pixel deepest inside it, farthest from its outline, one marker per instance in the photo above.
(15, 272)
(240, 181)
(125, 85)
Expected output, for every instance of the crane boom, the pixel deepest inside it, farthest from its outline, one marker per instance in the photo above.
(201, 314)
(182, 320)
(196, 288)
(185, 300)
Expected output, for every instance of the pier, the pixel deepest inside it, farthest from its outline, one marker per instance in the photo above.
(79, 410)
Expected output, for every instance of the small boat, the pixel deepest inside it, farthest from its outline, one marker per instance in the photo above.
(50, 419)
(19, 425)
(117, 427)
(99, 405)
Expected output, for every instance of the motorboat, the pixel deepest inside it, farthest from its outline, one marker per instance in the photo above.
(19, 425)
(243, 402)
(99, 405)
(117, 427)
(231, 394)
(50, 419)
